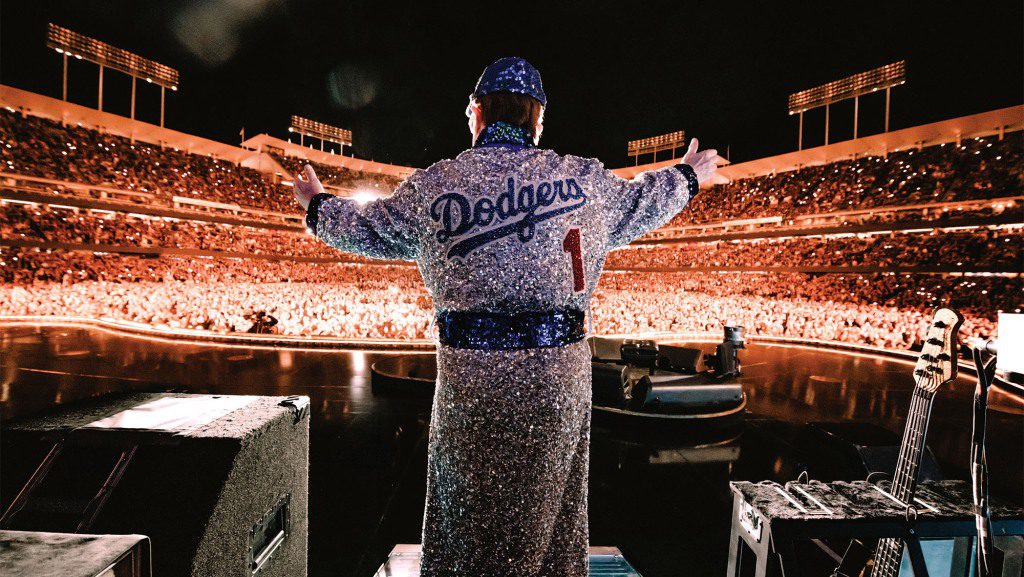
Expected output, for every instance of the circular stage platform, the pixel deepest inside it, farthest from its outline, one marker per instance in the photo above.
(368, 451)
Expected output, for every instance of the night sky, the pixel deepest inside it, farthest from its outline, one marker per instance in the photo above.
(398, 74)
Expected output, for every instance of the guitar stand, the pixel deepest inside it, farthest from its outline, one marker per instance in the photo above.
(768, 519)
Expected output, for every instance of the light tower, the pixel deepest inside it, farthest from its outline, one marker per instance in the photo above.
(655, 144)
(68, 43)
(324, 132)
(883, 77)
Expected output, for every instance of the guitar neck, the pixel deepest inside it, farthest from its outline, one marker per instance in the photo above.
(912, 447)
(889, 553)
(936, 366)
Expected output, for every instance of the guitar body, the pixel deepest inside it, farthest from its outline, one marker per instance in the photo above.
(936, 366)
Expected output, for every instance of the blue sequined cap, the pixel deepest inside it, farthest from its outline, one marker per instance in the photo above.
(511, 74)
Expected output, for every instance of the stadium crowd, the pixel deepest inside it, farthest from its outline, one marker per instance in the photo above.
(34, 146)
(933, 215)
(857, 308)
(388, 301)
(68, 225)
(348, 180)
(981, 249)
(354, 298)
(979, 168)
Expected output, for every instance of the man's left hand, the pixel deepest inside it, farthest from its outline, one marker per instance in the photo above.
(306, 189)
(704, 163)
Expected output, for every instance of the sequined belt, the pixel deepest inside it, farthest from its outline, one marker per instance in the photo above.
(490, 331)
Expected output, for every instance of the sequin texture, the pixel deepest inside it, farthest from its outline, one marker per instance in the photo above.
(511, 74)
(507, 230)
(488, 331)
(504, 133)
(507, 473)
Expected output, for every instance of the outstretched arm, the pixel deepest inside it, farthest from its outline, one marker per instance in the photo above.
(382, 228)
(652, 198)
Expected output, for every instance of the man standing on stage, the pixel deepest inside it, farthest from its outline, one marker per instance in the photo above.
(510, 239)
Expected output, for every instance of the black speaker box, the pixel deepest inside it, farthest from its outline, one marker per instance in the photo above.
(25, 553)
(606, 348)
(218, 483)
(682, 359)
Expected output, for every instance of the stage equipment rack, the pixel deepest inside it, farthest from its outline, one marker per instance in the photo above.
(768, 518)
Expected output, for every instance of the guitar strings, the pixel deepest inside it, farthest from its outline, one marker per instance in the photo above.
(887, 547)
(915, 450)
(893, 547)
(906, 471)
(883, 553)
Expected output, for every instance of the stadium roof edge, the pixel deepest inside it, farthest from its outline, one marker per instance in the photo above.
(983, 124)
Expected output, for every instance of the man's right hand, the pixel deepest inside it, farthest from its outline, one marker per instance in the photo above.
(704, 163)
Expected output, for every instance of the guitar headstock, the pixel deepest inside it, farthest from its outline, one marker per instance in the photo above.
(937, 363)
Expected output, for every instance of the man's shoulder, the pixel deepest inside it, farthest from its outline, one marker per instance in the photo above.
(583, 163)
(432, 169)
(435, 170)
(566, 158)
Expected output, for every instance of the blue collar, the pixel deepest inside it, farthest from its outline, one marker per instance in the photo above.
(504, 134)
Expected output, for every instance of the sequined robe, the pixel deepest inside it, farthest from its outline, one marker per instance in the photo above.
(507, 227)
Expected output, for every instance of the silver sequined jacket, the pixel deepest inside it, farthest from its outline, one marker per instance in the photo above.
(506, 229)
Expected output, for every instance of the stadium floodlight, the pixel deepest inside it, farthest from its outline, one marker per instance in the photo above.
(324, 132)
(855, 86)
(850, 87)
(655, 144)
(70, 43)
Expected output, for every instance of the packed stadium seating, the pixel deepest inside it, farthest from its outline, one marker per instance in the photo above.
(973, 250)
(358, 300)
(220, 295)
(214, 275)
(348, 180)
(978, 249)
(976, 169)
(42, 147)
(68, 225)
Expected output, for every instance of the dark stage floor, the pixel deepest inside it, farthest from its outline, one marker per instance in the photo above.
(664, 502)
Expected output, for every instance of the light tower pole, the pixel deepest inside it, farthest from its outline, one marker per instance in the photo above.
(99, 99)
(881, 78)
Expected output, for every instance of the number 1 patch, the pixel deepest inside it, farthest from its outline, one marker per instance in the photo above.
(572, 245)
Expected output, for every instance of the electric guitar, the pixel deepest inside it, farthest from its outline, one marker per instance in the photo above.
(936, 366)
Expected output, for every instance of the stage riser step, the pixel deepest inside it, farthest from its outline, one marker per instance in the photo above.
(404, 561)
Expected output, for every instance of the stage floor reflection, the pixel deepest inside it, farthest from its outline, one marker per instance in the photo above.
(663, 501)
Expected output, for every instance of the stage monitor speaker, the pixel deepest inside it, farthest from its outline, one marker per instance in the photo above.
(683, 394)
(24, 553)
(606, 382)
(682, 359)
(219, 483)
(606, 348)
